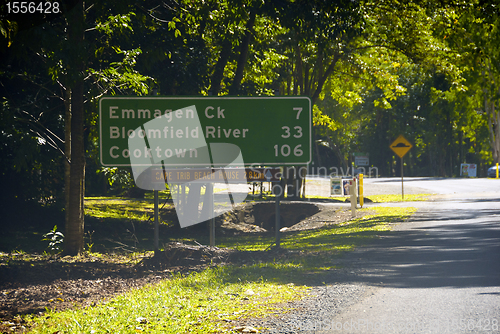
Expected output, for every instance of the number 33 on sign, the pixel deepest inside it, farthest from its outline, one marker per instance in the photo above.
(33, 7)
(285, 150)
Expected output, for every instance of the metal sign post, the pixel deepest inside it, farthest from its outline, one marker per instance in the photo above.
(401, 146)
(157, 224)
(210, 197)
(180, 176)
(277, 220)
(402, 186)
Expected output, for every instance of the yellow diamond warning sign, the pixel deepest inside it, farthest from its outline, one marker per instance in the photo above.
(401, 146)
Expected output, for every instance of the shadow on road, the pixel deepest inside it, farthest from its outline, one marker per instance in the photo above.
(461, 250)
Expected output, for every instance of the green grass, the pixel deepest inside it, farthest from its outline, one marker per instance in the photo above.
(374, 198)
(203, 302)
(207, 302)
(330, 238)
(119, 208)
(383, 198)
(398, 198)
(126, 208)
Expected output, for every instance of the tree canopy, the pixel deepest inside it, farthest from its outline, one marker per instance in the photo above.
(373, 70)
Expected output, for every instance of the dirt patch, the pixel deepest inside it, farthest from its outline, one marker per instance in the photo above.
(261, 216)
(31, 283)
(327, 215)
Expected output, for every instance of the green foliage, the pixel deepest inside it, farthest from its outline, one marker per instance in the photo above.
(115, 24)
(373, 71)
(31, 169)
(55, 239)
(321, 119)
(119, 179)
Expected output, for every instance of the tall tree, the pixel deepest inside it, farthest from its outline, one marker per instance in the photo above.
(73, 243)
(79, 72)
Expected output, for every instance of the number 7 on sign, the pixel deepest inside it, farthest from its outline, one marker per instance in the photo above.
(299, 110)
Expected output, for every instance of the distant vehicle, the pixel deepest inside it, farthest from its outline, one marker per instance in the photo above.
(492, 171)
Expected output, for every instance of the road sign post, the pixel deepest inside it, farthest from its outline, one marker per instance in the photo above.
(156, 224)
(277, 221)
(210, 196)
(401, 146)
(402, 186)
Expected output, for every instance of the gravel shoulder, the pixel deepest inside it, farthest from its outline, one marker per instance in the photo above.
(326, 302)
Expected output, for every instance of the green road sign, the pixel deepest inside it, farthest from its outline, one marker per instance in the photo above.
(267, 130)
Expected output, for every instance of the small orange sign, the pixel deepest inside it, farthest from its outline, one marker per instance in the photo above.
(401, 146)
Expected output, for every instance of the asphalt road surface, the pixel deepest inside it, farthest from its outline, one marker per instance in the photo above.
(438, 272)
(463, 187)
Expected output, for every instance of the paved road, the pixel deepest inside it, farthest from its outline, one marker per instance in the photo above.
(439, 272)
(434, 185)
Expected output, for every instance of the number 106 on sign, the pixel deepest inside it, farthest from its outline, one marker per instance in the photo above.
(286, 150)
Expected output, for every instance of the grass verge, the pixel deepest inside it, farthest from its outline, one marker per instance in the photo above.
(384, 198)
(217, 298)
(330, 238)
(373, 198)
(204, 302)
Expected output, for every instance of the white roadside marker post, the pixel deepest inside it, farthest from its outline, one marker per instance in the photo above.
(354, 200)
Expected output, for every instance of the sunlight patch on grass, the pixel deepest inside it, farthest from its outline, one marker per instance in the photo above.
(397, 198)
(381, 198)
(247, 242)
(119, 208)
(339, 237)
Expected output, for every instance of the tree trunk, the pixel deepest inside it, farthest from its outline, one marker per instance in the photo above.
(220, 66)
(299, 78)
(493, 116)
(75, 223)
(67, 150)
(497, 136)
(322, 79)
(242, 59)
(73, 242)
(494, 129)
(317, 71)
